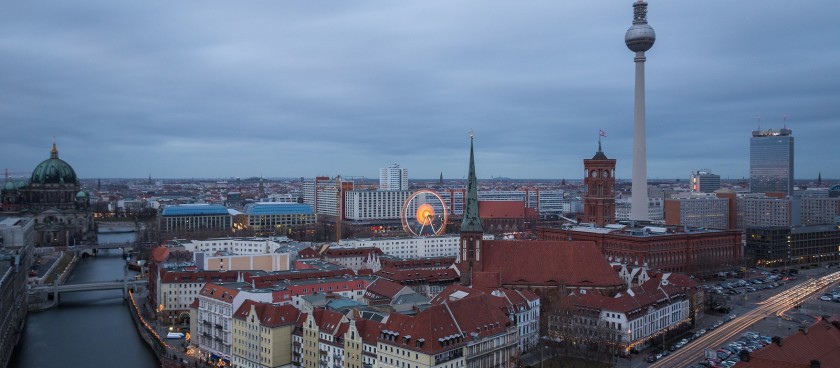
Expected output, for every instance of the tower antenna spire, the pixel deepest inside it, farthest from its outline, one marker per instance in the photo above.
(639, 39)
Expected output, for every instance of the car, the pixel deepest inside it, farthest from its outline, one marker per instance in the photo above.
(825, 298)
(732, 316)
(651, 358)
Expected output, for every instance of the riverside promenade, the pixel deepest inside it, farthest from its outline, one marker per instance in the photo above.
(170, 353)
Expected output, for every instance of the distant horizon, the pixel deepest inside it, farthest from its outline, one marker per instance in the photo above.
(293, 178)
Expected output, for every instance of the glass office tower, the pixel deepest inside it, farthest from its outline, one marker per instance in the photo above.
(771, 161)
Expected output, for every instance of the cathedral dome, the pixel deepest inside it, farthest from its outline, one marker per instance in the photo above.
(54, 171)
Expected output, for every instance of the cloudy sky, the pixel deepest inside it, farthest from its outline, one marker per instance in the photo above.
(304, 88)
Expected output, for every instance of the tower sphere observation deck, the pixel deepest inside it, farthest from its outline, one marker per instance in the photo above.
(640, 36)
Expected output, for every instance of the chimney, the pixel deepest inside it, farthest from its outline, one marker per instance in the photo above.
(777, 340)
(815, 363)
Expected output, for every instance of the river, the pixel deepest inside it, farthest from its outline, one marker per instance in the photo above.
(87, 329)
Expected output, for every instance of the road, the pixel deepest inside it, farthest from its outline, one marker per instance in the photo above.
(774, 305)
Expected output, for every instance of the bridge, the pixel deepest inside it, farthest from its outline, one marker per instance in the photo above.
(56, 289)
(85, 250)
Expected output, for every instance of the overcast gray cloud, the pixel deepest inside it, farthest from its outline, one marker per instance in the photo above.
(221, 89)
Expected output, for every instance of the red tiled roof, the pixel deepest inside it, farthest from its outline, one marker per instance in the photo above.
(369, 330)
(270, 315)
(330, 321)
(160, 254)
(651, 293)
(504, 210)
(308, 253)
(821, 343)
(385, 288)
(486, 279)
(219, 292)
(533, 262)
(508, 300)
(174, 277)
(452, 322)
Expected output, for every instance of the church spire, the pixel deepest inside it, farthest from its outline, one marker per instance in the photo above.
(471, 221)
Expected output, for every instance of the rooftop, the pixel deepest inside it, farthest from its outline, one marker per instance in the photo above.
(195, 210)
(277, 208)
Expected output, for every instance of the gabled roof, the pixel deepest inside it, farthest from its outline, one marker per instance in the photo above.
(160, 254)
(505, 299)
(821, 343)
(445, 326)
(330, 322)
(385, 288)
(308, 253)
(633, 302)
(534, 262)
(270, 315)
(369, 330)
(220, 292)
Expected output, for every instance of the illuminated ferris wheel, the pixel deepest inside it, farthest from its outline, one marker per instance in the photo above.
(424, 214)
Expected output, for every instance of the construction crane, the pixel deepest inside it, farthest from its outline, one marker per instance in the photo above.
(8, 174)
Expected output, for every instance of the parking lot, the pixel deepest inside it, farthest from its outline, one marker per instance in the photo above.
(738, 296)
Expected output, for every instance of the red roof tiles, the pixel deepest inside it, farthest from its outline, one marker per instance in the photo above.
(820, 343)
(270, 315)
(160, 254)
(444, 326)
(532, 262)
(504, 210)
(385, 288)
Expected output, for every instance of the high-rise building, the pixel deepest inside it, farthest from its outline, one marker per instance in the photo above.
(703, 181)
(639, 38)
(599, 201)
(393, 177)
(771, 161)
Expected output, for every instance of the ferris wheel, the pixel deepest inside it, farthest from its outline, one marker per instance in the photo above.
(424, 214)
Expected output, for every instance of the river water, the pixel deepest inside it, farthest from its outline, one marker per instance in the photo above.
(87, 329)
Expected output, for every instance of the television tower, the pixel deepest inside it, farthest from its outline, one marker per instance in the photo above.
(639, 38)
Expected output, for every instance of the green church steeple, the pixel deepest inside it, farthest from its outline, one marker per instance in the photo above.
(471, 221)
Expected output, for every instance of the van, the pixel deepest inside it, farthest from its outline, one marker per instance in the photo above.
(175, 335)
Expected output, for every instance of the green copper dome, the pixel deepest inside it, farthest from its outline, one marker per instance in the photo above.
(54, 171)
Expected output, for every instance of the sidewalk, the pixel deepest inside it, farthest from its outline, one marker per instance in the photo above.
(170, 352)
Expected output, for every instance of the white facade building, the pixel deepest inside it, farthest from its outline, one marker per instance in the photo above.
(232, 245)
(374, 204)
(435, 246)
(393, 177)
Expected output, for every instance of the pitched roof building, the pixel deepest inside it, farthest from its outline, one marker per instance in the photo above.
(551, 264)
(816, 347)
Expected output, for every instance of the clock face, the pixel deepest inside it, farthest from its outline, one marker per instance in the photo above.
(606, 174)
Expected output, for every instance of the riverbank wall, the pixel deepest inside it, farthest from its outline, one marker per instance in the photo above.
(168, 355)
(59, 274)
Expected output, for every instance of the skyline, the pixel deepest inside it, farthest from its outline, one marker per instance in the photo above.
(299, 89)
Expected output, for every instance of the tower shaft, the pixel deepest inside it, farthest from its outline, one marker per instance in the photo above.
(639, 200)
